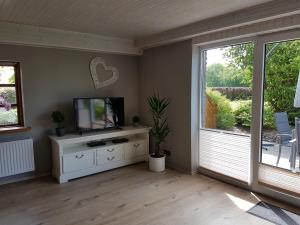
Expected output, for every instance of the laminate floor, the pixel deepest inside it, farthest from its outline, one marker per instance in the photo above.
(127, 196)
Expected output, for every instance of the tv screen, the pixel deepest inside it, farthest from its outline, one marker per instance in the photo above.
(98, 113)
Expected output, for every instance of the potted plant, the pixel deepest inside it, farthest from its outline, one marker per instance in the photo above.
(58, 118)
(136, 121)
(159, 131)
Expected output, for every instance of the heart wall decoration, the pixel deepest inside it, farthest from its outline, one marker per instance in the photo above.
(102, 74)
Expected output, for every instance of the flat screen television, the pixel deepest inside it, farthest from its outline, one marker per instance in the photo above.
(98, 113)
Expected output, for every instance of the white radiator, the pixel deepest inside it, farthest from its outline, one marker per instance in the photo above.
(16, 157)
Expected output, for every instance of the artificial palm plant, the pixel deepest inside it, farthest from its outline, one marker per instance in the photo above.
(160, 129)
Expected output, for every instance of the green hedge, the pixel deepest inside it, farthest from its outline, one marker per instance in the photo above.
(242, 113)
(243, 116)
(231, 113)
(225, 116)
(235, 93)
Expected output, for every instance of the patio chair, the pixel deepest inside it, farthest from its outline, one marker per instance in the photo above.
(284, 136)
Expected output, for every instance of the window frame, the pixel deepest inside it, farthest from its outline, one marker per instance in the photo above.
(19, 94)
(260, 39)
(201, 74)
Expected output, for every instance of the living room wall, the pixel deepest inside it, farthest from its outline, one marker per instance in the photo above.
(167, 70)
(52, 78)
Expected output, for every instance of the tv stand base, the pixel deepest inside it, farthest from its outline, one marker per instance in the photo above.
(72, 158)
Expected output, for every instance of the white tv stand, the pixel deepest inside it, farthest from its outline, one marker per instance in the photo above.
(72, 158)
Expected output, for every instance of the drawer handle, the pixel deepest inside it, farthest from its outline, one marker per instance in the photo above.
(110, 158)
(110, 150)
(79, 157)
(136, 145)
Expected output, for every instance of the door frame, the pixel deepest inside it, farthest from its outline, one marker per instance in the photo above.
(257, 102)
(201, 49)
(257, 112)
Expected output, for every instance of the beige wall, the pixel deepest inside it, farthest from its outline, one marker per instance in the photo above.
(167, 70)
(52, 78)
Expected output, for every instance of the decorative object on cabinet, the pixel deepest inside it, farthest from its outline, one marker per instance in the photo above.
(136, 121)
(58, 118)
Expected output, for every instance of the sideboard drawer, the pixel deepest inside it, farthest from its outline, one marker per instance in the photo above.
(108, 158)
(107, 150)
(78, 161)
(110, 154)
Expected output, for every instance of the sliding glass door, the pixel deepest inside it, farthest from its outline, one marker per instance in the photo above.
(282, 64)
(247, 129)
(226, 102)
(279, 155)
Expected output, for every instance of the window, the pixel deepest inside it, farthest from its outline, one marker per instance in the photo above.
(11, 109)
(225, 117)
(282, 64)
(249, 123)
(227, 98)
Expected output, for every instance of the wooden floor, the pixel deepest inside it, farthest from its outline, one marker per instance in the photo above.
(127, 196)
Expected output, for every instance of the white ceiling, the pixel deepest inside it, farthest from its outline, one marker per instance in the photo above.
(119, 18)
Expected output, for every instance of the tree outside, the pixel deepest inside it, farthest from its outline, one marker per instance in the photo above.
(228, 87)
(233, 81)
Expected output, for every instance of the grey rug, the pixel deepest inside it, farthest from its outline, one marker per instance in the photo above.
(274, 214)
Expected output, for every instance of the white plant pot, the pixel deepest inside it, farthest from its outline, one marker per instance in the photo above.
(157, 164)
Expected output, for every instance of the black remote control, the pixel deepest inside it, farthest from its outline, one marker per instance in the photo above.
(96, 143)
(119, 140)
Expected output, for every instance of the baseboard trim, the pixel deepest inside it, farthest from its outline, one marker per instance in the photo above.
(193, 172)
(223, 178)
(179, 169)
(19, 179)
